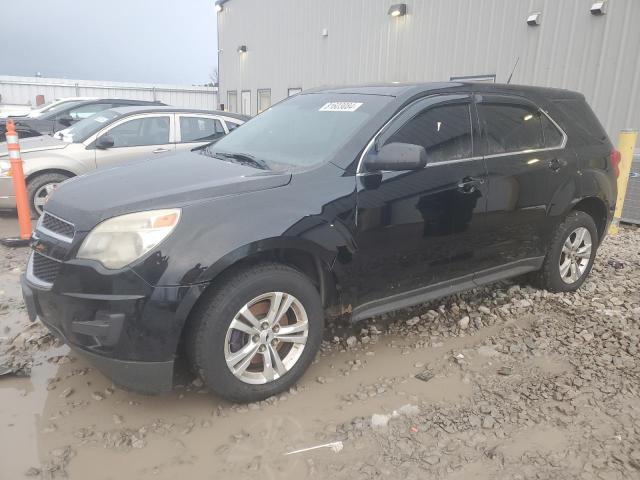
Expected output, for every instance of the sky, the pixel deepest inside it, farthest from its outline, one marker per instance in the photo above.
(150, 41)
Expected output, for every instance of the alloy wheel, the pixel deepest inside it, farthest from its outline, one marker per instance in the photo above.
(575, 255)
(41, 196)
(266, 338)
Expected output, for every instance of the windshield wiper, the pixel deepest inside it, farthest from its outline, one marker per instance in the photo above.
(242, 159)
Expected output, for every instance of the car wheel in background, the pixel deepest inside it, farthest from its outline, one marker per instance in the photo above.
(40, 187)
(257, 333)
(571, 253)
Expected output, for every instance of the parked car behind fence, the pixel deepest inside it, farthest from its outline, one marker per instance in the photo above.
(108, 138)
(63, 115)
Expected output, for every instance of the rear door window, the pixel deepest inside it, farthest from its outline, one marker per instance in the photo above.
(444, 132)
(511, 128)
(200, 129)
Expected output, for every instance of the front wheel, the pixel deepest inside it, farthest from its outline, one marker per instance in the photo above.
(571, 253)
(258, 332)
(39, 188)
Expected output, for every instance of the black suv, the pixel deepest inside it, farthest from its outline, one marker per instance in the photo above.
(364, 200)
(64, 115)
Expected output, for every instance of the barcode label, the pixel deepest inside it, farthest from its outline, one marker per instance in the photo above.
(340, 107)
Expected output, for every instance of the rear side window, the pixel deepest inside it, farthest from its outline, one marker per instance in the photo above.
(200, 129)
(511, 128)
(444, 132)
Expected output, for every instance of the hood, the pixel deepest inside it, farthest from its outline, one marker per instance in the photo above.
(164, 181)
(35, 144)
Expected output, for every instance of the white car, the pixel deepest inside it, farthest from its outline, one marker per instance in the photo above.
(110, 137)
(27, 111)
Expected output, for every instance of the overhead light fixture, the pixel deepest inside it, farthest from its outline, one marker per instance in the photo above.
(534, 19)
(398, 10)
(598, 8)
(242, 49)
(219, 7)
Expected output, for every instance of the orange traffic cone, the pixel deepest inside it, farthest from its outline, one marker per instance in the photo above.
(19, 188)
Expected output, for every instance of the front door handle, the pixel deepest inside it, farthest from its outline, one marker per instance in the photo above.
(161, 150)
(469, 184)
(555, 164)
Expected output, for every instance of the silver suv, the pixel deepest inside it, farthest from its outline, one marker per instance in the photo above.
(108, 138)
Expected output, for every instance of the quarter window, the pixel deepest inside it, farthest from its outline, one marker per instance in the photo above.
(141, 131)
(552, 136)
(231, 125)
(444, 132)
(511, 128)
(200, 129)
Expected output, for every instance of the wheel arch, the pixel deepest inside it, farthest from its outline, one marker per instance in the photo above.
(48, 170)
(303, 255)
(597, 209)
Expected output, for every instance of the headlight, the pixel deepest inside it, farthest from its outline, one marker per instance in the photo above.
(5, 168)
(120, 240)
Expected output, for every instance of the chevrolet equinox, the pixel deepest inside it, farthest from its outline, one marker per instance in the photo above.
(363, 200)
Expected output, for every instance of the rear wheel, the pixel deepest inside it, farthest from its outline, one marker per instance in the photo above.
(40, 187)
(258, 333)
(571, 254)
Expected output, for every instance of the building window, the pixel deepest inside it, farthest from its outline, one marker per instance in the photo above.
(475, 78)
(264, 99)
(232, 101)
(293, 91)
(245, 102)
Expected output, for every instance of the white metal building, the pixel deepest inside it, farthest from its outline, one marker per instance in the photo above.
(23, 91)
(271, 49)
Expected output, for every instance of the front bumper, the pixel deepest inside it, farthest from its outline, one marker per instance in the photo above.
(132, 339)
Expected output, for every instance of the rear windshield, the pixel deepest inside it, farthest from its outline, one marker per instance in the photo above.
(304, 130)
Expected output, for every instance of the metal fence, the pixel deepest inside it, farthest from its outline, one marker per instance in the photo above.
(23, 91)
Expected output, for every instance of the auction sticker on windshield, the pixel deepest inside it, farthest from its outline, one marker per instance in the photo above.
(340, 107)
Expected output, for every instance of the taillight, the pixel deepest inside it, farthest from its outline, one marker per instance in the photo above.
(615, 162)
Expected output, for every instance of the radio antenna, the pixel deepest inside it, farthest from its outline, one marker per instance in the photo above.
(514, 69)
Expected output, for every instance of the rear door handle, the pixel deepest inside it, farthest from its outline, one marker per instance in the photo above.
(161, 150)
(555, 164)
(469, 184)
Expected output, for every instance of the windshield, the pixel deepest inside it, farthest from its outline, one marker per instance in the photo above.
(53, 111)
(82, 130)
(301, 131)
(46, 108)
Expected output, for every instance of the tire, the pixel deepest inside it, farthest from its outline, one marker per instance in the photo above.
(36, 187)
(212, 345)
(551, 275)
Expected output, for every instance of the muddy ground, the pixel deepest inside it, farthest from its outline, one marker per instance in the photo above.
(504, 382)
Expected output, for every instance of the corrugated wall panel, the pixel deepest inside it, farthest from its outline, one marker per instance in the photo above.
(437, 39)
(23, 90)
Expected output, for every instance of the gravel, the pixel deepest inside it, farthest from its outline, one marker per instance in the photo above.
(502, 382)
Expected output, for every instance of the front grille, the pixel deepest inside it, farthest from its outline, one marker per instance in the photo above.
(57, 225)
(45, 268)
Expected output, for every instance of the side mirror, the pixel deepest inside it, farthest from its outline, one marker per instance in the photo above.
(104, 142)
(396, 157)
(66, 120)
